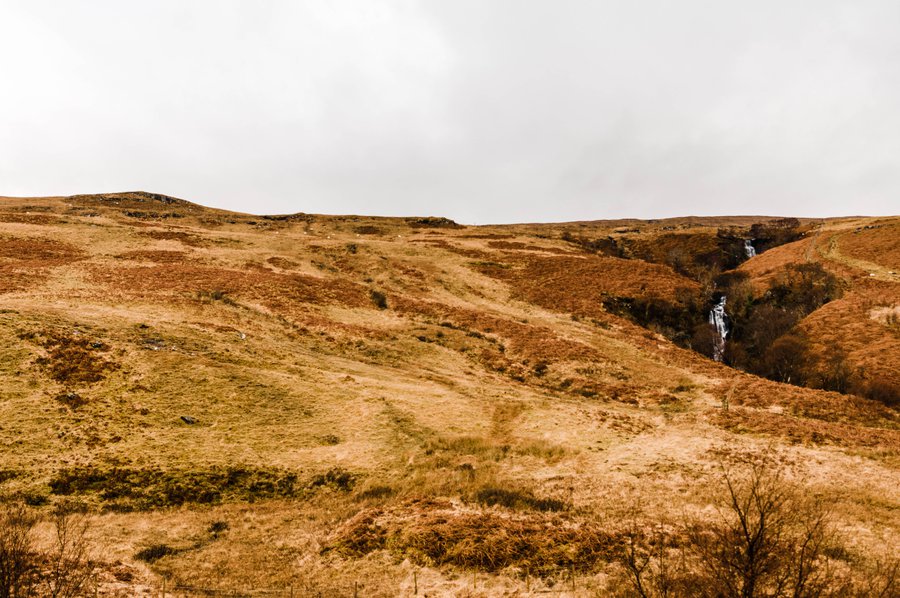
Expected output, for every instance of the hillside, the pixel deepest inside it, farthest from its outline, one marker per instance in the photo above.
(310, 385)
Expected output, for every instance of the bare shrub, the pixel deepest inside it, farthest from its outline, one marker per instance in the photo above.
(18, 559)
(765, 540)
(69, 567)
(655, 568)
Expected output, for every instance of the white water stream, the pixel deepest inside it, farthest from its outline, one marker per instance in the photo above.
(717, 320)
(749, 250)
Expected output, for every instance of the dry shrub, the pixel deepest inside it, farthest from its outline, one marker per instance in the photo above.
(361, 535)
(432, 533)
(68, 564)
(378, 298)
(71, 399)
(123, 488)
(62, 571)
(282, 262)
(513, 498)
(75, 360)
(17, 554)
(368, 229)
(432, 222)
(883, 391)
(765, 539)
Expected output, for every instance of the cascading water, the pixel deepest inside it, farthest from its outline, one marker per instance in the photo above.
(717, 320)
(749, 249)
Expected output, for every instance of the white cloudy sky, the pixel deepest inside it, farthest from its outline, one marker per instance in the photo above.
(481, 110)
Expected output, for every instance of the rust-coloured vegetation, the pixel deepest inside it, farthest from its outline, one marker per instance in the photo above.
(74, 360)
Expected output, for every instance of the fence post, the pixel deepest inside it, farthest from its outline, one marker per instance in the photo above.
(415, 583)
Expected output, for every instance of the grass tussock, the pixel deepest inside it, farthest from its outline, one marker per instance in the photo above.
(154, 552)
(516, 499)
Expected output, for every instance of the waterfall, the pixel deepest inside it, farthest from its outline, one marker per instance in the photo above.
(717, 320)
(749, 250)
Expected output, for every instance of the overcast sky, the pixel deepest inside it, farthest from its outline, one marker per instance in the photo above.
(481, 110)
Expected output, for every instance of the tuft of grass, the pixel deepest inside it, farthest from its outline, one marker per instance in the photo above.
(379, 299)
(336, 478)
(517, 499)
(215, 295)
(216, 528)
(154, 552)
(376, 492)
(684, 385)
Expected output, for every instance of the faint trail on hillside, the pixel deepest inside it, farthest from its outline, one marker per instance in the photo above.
(812, 244)
(874, 270)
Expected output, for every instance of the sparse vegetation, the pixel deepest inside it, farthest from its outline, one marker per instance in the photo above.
(501, 453)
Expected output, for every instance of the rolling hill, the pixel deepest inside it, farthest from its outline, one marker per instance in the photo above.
(342, 403)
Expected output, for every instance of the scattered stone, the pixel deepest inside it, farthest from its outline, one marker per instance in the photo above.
(188, 419)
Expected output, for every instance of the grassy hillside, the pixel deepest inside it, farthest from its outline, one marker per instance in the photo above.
(323, 401)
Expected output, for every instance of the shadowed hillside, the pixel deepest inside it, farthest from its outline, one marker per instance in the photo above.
(317, 401)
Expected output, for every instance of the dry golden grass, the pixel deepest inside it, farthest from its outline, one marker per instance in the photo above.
(878, 243)
(488, 390)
